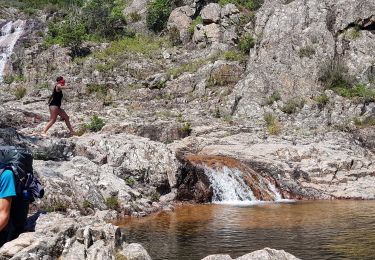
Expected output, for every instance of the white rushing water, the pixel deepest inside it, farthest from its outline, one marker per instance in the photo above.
(9, 35)
(229, 187)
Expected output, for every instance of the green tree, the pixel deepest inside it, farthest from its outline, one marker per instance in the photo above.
(158, 13)
(104, 17)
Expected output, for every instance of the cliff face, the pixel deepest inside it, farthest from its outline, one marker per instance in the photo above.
(295, 41)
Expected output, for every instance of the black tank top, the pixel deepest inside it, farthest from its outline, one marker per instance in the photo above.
(56, 98)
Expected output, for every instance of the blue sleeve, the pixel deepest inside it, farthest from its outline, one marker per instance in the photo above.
(7, 185)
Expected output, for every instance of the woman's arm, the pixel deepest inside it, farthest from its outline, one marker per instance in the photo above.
(63, 87)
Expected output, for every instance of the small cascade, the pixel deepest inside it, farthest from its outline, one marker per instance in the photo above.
(232, 186)
(9, 35)
(228, 185)
(225, 180)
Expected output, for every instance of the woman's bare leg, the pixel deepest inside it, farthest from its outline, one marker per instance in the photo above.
(65, 116)
(54, 112)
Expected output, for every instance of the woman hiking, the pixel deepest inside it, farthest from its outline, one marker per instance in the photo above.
(55, 109)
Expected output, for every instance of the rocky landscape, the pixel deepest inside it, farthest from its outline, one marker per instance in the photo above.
(283, 93)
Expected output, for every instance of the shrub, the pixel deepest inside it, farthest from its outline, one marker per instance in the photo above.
(334, 74)
(96, 124)
(195, 22)
(222, 76)
(234, 56)
(100, 89)
(246, 43)
(87, 204)
(97, 19)
(292, 106)
(272, 124)
(70, 33)
(354, 32)
(104, 17)
(322, 100)
(273, 98)
(155, 196)
(186, 128)
(361, 91)
(9, 79)
(158, 12)
(112, 203)
(248, 4)
(364, 122)
(20, 92)
(307, 51)
(174, 36)
(130, 181)
(139, 44)
(135, 17)
(188, 67)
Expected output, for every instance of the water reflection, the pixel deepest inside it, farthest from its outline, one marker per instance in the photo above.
(309, 230)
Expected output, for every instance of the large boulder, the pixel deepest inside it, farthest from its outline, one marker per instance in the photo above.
(180, 19)
(71, 237)
(211, 13)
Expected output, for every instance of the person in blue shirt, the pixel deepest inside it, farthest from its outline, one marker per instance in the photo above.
(7, 192)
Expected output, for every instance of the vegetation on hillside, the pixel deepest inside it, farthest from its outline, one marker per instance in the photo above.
(96, 20)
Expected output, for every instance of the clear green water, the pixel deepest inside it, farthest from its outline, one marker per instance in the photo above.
(309, 230)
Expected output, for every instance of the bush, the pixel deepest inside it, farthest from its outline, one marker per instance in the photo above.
(139, 44)
(188, 67)
(292, 106)
(100, 89)
(273, 98)
(248, 4)
(195, 22)
(186, 128)
(246, 43)
(98, 19)
(334, 74)
(68, 34)
(234, 56)
(361, 91)
(322, 100)
(174, 36)
(104, 17)
(9, 79)
(272, 124)
(96, 124)
(112, 203)
(307, 51)
(364, 122)
(222, 76)
(135, 17)
(20, 92)
(158, 13)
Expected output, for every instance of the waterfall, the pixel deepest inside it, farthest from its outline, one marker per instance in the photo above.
(230, 187)
(9, 35)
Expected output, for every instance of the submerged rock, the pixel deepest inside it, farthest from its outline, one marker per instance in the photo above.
(264, 254)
